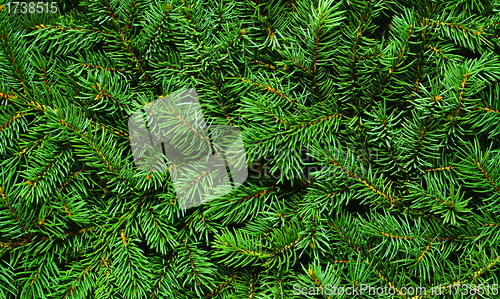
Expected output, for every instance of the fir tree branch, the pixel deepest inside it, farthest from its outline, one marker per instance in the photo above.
(64, 123)
(268, 65)
(131, 15)
(109, 12)
(391, 70)
(34, 182)
(11, 210)
(251, 287)
(460, 93)
(423, 253)
(12, 61)
(220, 287)
(193, 268)
(439, 169)
(355, 48)
(8, 96)
(488, 178)
(162, 277)
(64, 29)
(348, 241)
(116, 132)
(274, 91)
(226, 51)
(84, 273)
(315, 53)
(178, 70)
(486, 109)
(164, 17)
(97, 67)
(11, 121)
(315, 280)
(312, 122)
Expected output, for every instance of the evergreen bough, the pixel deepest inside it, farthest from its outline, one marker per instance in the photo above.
(372, 139)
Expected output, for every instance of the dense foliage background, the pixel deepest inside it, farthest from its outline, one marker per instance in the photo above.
(371, 132)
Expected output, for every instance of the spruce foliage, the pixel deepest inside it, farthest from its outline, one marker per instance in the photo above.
(371, 131)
